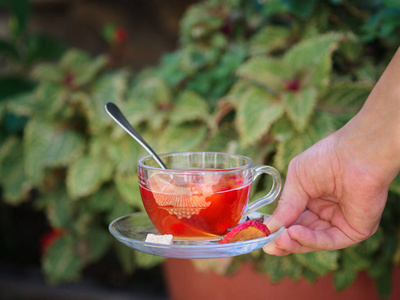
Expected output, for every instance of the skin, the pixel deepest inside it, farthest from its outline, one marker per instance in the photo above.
(335, 191)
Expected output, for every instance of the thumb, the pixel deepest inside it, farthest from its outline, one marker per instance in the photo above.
(291, 205)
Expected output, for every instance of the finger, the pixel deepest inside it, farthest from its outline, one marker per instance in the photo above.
(273, 249)
(303, 239)
(291, 205)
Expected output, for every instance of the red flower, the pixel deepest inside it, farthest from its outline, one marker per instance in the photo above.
(49, 238)
(120, 35)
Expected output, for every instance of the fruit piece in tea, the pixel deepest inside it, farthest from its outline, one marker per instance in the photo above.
(248, 230)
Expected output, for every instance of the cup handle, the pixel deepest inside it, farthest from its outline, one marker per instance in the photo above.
(272, 194)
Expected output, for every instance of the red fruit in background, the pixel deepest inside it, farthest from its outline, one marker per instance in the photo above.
(248, 230)
(49, 238)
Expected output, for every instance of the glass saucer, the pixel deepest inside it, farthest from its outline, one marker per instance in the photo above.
(132, 230)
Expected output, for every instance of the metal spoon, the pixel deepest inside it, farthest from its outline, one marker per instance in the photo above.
(119, 117)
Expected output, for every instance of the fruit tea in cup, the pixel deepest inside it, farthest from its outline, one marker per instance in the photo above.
(201, 194)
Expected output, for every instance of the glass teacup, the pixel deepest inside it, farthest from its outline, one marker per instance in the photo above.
(201, 194)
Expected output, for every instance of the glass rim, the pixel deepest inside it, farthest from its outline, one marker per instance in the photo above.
(227, 170)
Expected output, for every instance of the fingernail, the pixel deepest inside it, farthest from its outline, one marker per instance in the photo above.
(272, 224)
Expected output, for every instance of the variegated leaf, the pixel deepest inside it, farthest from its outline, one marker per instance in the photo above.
(311, 52)
(59, 209)
(89, 70)
(321, 125)
(219, 142)
(125, 153)
(61, 262)
(74, 59)
(238, 89)
(299, 106)
(50, 100)
(320, 262)
(269, 72)
(128, 187)
(256, 113)
(98, 240)
(108, 88)
(14, 182)
(269, 39)
(138, 110)
(86, 175)
(152, 89)
(190, 107)
(182, 138)
(344, 100)
(49, 144)
(48, 72)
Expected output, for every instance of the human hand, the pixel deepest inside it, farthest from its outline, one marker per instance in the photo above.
(333, 198)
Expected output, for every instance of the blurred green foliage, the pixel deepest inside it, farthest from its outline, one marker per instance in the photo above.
(266, 79)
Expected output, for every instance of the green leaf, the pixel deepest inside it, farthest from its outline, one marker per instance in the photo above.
(8, 49)
(269, 39)
(236, 92)
(11, 86)
(61, 263)
(119, 209)
(321, 125)
(320, 262)
(128, 187)
(23, 104)
(87, 174)
(299, 106)
(151, 89)
(59, 209)
(138, 110)
(74, 59)
(125, 153)
(303, 7)
(41, 47)
(14, 182)
(219, 142)
(103, 200)
(256, 113)
(383, 282)
(344, 278)
(125, 256)
(278, 267)
(190, 107)
(90, 70)
(182, 138)
(147, 261)
(50, 100)
(269, 72)
(48, 144)
(109, 87)
(311, 52)
(48, 72)
(98, 240)
(395, 186)
(344, 100)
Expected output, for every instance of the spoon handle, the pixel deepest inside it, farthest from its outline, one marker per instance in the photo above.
(119, 117)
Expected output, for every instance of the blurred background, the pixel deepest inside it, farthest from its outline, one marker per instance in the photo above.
(262, 78)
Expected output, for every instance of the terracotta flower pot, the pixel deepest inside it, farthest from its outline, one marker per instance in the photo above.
(185, 282)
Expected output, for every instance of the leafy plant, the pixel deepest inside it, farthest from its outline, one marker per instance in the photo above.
(263, 80)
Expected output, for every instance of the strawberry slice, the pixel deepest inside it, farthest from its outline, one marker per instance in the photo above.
(248, 230)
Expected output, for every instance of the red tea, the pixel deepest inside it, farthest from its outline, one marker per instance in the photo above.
(195, 205)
